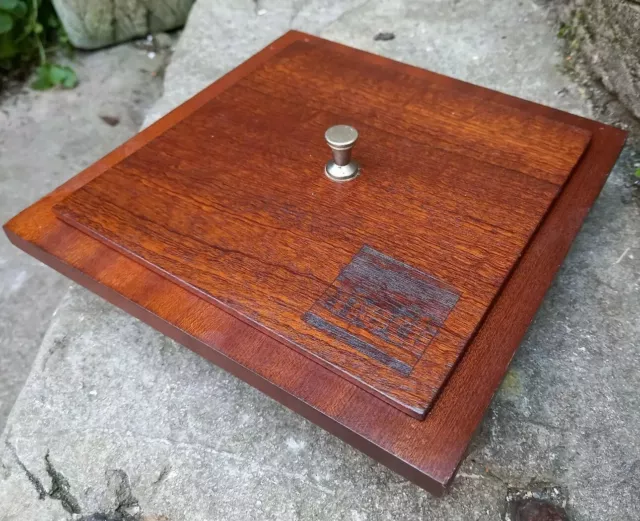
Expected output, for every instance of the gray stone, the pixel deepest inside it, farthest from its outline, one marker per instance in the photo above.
(606, 35)
(162, 41)
(511, 48)
(110, 395)
(45, 138)
(95, 23)
(132, 420)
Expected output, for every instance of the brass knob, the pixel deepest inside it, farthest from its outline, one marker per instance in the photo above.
(341, 139)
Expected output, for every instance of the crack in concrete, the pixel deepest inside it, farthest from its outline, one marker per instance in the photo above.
(60, 488)
(127, 507)
(37, 484)
(5, 471)
(59, 344)
(216, 451)
(163, 475)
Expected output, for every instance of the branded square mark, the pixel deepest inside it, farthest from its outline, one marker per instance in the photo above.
(384, 309)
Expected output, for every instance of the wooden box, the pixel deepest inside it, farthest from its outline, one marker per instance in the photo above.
(385, 309)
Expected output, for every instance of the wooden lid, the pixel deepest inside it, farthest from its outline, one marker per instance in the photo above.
(384, 278)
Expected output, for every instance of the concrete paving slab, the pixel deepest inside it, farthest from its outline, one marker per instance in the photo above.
(117, 422)
(45, 138)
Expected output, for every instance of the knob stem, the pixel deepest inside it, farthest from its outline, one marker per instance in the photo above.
(341, 157)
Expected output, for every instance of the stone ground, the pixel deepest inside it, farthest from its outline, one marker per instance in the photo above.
(117, 422)
(45, 138)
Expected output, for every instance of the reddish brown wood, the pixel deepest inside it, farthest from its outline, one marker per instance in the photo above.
(399, 100)
(427, 452)
(452, 189)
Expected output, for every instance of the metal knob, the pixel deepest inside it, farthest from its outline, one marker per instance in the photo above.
(341, 139)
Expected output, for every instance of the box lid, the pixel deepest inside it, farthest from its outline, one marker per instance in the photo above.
(383, 279)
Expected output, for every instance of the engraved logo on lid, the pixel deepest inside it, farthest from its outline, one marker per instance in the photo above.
(384, 309)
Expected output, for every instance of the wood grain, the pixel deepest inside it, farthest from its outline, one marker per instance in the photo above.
(253, 225)
(427, 452)
(396, 99)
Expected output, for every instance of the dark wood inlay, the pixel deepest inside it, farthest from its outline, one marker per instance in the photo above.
(383, 307)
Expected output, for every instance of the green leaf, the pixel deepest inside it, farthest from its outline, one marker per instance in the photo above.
(63, 76)
(6, 23)
(8, 5)
(8, 48)
(41, 84)
(20, 9)
(637, 174)
(71, 80)
(54, 75)
(52, 21)
(42, 81)
(57, 74)
(30, 32)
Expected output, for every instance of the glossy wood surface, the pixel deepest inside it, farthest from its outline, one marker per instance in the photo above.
(427, 452)
(383, 279)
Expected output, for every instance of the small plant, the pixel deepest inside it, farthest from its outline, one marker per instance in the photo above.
(637, 173)
(30, 32)
(564, 31)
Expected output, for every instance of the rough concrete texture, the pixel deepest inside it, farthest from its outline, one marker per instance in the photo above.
(140, 428)
(511, 48)
(95, 23)
(45, 138)
(606, 34)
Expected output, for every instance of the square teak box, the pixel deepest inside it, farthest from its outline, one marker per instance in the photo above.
(385, 309)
